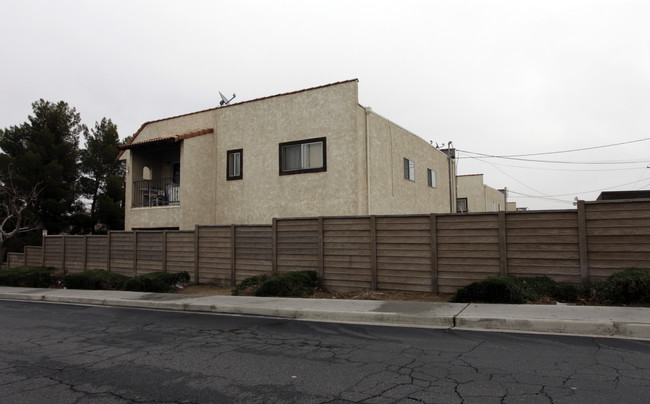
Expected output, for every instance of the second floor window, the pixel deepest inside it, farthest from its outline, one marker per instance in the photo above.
(303, 156)
(235, 164)
(461, 205)
(431, 178)
(409, 169)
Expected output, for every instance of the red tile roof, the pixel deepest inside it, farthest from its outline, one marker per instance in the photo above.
(169, 139)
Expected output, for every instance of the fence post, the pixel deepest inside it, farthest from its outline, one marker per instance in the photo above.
(373, 252)
(503, 244)
(85, 267)
(196, 253)
(63, 252)
(274, 242)
(233, 260)
(43, 250)
(108, 252)
(164, 251)
(321, 250)
(433, 228)
(582, 241)
(135, 253)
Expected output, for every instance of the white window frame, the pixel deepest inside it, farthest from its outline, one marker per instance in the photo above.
(466, 203)
(234, 164)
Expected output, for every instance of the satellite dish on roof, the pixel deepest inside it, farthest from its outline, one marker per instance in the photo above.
(224, 100)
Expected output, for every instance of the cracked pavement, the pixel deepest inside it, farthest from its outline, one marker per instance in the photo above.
(78, 354)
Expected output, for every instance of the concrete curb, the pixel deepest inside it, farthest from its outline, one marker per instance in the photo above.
(620, 322)
(623, 322)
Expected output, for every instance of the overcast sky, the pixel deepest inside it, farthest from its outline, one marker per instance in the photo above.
(500, 78)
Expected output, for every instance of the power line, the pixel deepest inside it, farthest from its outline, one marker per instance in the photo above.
(560, 151)
(567, 169)
(483, 156)
(513, 178)
(528, 196)
(576, 193)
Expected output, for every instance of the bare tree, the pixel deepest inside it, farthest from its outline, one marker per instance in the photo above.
(13, 203)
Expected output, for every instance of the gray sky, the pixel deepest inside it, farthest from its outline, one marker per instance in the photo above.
(493, 77)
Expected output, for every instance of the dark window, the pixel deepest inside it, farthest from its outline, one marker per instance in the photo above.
(461, 205)
(409, 170)
(235, 164)
(303, 156)
(176, 173)
(431, 178)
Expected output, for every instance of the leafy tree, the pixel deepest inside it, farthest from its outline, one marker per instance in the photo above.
(45, 150)
(103, 174)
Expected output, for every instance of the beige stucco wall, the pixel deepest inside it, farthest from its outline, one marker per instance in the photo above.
(258, 127)
(480, 197)
(390, 192)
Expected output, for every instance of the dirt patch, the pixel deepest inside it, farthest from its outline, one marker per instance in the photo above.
(213, 290)
(383, 295)
(206, 290)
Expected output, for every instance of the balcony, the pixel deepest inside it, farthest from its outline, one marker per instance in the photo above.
(160, 192)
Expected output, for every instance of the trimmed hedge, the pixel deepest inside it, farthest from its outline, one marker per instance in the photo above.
(626, 287)
(156, 282)
(95, 279)
(515, 290)
(101, 279)
(289, 284)
(30, 277)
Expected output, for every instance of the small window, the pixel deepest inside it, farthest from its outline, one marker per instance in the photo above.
(304, 156)
(235, 164)
(431, 178)
(461, 205)
(494, 207)
(409, 170)
(176, 172)
(146, 173)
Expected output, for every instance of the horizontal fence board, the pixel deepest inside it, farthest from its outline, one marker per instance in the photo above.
(543, 239)
(491, 225)
(618, 239)
(618, 231)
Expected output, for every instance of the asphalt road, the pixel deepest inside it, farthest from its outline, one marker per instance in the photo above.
(65, 354)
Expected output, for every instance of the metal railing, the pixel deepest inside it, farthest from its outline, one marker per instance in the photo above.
(160, 192)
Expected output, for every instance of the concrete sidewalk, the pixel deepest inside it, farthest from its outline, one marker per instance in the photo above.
(627, 322)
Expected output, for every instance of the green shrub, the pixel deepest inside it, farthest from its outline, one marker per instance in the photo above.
(538, 286)
(248, 286)
(629, 286)
(289, 284)
(495, 289)
(95, 279)
(514, 290)
(566, 292)
(28, 277)
(98, 279)
(144, 284)
(156, 282)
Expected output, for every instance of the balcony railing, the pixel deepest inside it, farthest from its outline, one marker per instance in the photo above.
(159, 192)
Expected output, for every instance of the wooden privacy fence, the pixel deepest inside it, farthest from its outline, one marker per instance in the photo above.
(437, 253)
